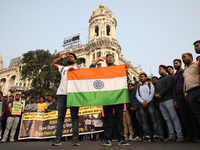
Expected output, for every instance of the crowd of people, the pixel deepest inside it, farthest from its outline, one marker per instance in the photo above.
(165, 108)
(9, 121)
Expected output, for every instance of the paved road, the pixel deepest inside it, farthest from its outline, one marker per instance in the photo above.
(96, 145)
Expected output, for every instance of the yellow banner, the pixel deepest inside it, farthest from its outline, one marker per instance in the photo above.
(54, 114)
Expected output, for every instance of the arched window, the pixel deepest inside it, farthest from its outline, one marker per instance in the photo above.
(97, 31)
(108, 30)
(12, 79)
(80, 60)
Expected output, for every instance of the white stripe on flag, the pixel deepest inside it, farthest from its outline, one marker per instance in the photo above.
(97, 85)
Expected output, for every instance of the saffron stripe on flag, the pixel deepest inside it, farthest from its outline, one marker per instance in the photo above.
(94, 73)
(97, 98)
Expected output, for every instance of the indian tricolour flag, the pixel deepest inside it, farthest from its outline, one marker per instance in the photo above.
(97, 86)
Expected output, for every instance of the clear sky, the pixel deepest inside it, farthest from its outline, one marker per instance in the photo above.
(150, 32)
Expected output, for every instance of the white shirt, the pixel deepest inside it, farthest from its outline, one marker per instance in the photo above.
(62, 89)
(48, 103)
(145, 94)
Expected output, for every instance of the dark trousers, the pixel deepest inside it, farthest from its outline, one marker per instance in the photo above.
(61, 116)
(108, 121)
(114, 129)
(136, 125)
(194, 99)
(187, 116)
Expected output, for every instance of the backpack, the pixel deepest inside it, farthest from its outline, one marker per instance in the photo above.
(149, 85)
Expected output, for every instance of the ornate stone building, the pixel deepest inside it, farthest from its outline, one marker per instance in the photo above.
(10, 82)
(102, 41)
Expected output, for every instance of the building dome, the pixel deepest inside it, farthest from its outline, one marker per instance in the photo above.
(102, 11)
(101, 5)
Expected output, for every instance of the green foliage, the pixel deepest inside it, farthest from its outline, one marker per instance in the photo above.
(38, 69)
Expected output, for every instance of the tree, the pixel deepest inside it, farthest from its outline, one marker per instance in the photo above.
(38, 69)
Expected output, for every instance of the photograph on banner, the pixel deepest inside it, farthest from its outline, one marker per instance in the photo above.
(39, 125)
(16, 109)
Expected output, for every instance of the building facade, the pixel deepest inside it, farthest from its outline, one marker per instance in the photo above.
(102, 41)
(10, 79)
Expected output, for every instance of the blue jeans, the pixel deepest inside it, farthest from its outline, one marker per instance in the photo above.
(160, 120)
(194, 100)
(169, 114)
(62, 99)
(145, 112)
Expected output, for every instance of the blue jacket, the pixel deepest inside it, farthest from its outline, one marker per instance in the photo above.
(133, 100)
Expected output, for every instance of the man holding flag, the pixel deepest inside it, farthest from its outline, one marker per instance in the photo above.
(62, 98)
(108, 110)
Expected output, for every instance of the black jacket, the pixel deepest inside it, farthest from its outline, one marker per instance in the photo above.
(164, 87)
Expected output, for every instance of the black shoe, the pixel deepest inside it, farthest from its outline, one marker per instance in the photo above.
(194, 139)
(56, 142)
(187, 139)
(123, 143)
(75, 142)
(156, 139)
(107, 143)
(147, 139)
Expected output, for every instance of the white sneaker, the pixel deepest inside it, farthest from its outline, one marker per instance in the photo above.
(137, 139)
(130, 138)
(126, 137)
(3, 140)
(12, 140)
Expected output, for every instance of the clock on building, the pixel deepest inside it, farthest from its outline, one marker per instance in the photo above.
(108, 14)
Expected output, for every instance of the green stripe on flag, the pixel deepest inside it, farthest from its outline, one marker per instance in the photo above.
(100, 98)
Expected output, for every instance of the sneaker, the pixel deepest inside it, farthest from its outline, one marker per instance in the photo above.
(3, 140)
(75, 142)
(106, 143)
(126, 137)
(169, 139)
(123, 143)
(137, 139)
(179, 139)
(156, 138)
(147, 139)
(12, 140)
(130, 138)
(56, 142)
(161, 138)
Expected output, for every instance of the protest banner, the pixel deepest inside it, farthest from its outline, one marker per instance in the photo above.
(40, 125)
(16, 108)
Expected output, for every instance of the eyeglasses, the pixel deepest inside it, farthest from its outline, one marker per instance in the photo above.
(109, 58)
